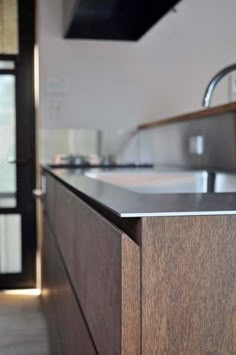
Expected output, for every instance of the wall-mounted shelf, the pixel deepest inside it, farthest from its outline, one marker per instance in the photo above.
(213, 111)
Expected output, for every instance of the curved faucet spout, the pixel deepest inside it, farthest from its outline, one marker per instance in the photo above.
(214, 81)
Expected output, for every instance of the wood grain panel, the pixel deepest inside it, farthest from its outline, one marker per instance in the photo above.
(103, 264)
(50, 199)
(130, 296)
(48, 298)
(189, 285)
(68, 326)
(213, 111)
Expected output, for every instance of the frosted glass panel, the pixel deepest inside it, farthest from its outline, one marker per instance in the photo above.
(7, 141)
(7, 64)
(10, 244)
(8, 27)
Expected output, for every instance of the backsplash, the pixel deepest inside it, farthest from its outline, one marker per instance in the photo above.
(68, 141)
(207, 143)
(124, 144)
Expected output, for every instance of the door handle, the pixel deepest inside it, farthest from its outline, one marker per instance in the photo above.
(12, 160)
(38, 194)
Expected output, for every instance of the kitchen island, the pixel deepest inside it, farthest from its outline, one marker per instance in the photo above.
(137, 273)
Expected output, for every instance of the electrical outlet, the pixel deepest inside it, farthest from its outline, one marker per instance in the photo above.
(196, 145)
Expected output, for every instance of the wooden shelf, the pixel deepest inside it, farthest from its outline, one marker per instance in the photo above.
(214, 111)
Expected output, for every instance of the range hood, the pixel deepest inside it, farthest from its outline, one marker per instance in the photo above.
(112, 19)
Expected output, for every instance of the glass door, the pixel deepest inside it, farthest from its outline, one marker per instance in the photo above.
(17, 159)
(7, 135)
(10, 223)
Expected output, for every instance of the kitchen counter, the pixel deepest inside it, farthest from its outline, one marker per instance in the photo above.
(152, 285)
(126, 203)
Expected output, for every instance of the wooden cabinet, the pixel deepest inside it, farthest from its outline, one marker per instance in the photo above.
(50, 201)
(174, 293)
(94, 270)
(189, 285)
(49, 263)
(69, 333)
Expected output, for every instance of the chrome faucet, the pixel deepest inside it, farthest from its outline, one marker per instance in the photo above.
(214, 81)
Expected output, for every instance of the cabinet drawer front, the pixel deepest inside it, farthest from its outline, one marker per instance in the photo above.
(68, 320)
(104, 266)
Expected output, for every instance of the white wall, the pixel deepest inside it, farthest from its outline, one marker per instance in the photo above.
(99, 78)
(181, 53)
(116, 85)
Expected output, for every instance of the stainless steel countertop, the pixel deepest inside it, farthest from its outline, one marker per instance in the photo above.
(129, 204)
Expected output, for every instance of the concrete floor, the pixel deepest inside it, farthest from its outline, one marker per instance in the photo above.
(22, 326)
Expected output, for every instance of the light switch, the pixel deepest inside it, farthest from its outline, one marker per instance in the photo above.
(56, 87)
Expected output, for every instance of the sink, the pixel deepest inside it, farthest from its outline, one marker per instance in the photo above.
(150, 182)
(225, 183)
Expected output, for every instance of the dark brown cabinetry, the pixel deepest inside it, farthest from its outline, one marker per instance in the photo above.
(189, 285)
(173, 291)
(69, 334)
(91, 273)
(49, 263)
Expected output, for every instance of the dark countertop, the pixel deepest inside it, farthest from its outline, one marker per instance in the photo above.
(129, 204)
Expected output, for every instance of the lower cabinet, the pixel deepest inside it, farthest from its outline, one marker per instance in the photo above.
(48, 286)
(91, 279)
(92, 295)
(68, 332)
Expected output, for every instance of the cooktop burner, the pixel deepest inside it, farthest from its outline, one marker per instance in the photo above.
(108, 166)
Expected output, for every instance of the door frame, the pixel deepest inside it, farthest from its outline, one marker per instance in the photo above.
(25, 148)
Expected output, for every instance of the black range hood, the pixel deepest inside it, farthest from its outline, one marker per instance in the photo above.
(112, 19)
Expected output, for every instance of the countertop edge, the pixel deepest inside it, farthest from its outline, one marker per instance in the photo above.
(128, 204)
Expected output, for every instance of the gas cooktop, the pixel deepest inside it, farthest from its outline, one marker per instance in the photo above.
(107, 166)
